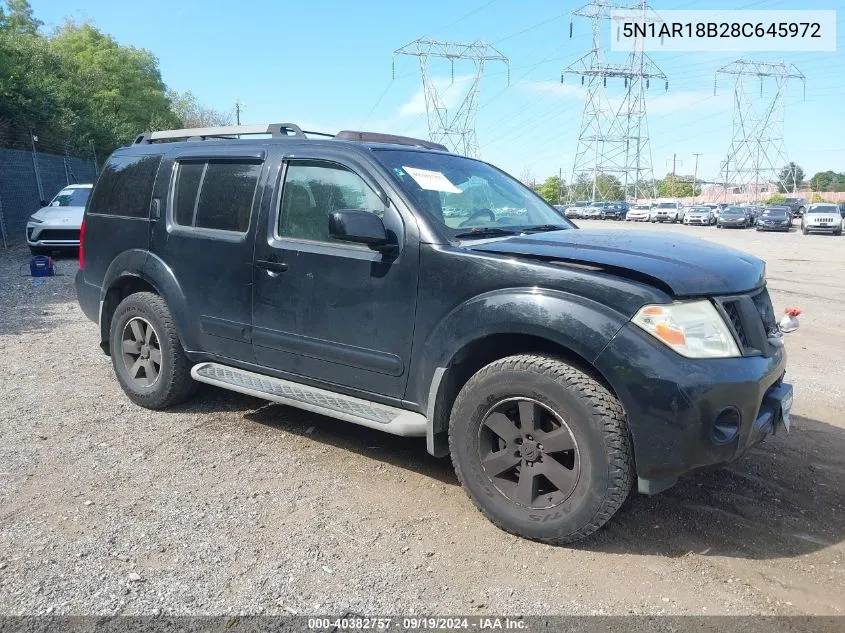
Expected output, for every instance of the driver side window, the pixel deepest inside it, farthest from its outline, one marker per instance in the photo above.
(313, 190)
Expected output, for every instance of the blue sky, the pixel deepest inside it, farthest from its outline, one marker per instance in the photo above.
(327, 65)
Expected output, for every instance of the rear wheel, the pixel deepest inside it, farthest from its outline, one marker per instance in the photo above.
(541, 448)
(147, 355)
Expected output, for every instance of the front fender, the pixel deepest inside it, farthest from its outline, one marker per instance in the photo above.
(580, 325)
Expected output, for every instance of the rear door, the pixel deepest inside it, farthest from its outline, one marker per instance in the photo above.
(330, 311)
(206, 237)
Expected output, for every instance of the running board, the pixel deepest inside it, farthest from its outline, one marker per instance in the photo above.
(335, 405)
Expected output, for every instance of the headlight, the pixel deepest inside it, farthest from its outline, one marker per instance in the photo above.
(692, 328)
(32, 218)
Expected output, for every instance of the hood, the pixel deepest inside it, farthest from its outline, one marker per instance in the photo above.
(60, 215)
(686, 266)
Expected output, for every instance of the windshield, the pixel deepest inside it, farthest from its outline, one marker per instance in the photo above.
(71, 198)
(699, 210)
(641, 207)
(733, 211)
(774, 213)
(467, 196)
(825, 208)
(667, 205)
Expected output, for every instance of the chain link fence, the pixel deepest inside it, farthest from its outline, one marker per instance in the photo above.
(34, 166)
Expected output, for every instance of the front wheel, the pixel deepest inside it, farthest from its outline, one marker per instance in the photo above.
(804, 230)
(541, 448)
(147, 355)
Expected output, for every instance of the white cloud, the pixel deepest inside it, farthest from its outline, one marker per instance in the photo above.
(657, 102)
(451, 93)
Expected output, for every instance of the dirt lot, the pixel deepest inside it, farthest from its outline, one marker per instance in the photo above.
(232, 505)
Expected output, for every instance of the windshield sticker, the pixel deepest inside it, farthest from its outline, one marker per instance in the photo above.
(431, 180)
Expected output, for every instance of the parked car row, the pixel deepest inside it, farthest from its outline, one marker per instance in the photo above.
(815, 217)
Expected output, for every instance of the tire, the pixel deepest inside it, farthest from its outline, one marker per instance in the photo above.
(172, 382)
(839, 232)
(587, 417)
(804, 230)
(718, 226)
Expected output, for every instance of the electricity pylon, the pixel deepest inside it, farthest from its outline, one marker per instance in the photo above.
(614, 137)
(757, 152)
(455, 129)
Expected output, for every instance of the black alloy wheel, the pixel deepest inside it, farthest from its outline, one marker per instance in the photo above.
(529, 453)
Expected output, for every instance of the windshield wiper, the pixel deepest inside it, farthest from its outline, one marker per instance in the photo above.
(486, 231)
(540, 228)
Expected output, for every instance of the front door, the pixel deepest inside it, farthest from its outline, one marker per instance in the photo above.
(330, 311)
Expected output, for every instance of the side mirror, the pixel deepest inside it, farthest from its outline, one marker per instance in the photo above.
(360, 227)
(43, 203)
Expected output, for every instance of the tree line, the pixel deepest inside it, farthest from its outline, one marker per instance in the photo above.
(81, 89)
(608, 187)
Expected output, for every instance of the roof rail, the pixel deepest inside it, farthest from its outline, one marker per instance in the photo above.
(377, 137)
(275, 130)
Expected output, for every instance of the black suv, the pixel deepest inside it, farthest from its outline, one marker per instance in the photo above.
(797, 206)
(558, 367)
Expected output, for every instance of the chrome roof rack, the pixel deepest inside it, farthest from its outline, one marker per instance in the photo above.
(275, 130)
(278, 130)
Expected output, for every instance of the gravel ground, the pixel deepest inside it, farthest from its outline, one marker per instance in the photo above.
(231, 505)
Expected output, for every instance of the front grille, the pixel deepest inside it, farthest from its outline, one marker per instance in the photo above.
(763, 303)
(60, 235)
(752, 318)
(732, 309)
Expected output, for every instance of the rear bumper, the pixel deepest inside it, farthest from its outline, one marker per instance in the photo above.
(672, 402)
(88, 296)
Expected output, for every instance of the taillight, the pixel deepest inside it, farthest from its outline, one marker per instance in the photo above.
(82, 246)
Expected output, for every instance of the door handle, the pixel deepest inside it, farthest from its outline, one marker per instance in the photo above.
(272, 267)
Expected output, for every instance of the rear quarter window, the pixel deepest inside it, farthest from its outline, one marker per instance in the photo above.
(125, 186)
(215, 194)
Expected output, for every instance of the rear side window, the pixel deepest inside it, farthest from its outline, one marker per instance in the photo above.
(125, 186)
(215, 194)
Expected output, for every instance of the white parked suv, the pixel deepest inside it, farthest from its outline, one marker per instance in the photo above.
(639, 213)
(822, 218)
(56, 225)
(666, 212)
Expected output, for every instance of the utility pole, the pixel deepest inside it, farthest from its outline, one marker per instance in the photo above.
(238, 106)
(695, 176)
(455, 129)
(559, 185)
(674, 165)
